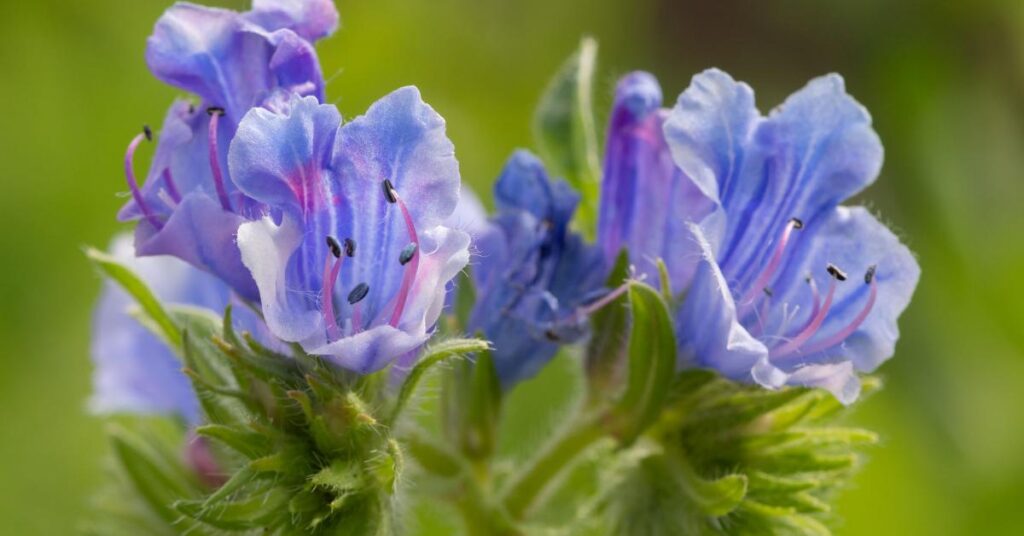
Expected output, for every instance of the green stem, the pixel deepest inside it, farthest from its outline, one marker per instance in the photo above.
(523, 492)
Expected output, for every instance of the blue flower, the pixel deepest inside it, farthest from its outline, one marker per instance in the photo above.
(783, 286)
(189, 207)
(136, 372)
(352, 258)
(533, 274)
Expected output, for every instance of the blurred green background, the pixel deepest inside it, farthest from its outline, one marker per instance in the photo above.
(944, 81)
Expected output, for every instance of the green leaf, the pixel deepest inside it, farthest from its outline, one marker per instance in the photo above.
(158, 478)
(135, 287)
(564, 128)
(433, 355)
(652, 361)
(606, 353)
(254, 511)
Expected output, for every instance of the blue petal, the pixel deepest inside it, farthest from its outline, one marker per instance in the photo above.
(228, 61)
(311, 19)
(708, 332)
(646, 201)
(135, 371)
(201, 233)
(524, 186)
(709, 131)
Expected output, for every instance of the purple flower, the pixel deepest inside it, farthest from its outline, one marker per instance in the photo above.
(352, 259)
(782, 285)
(189, 207)
(534, 276)
(136, 372)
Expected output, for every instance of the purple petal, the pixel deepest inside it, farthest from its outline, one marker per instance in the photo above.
(311, 19)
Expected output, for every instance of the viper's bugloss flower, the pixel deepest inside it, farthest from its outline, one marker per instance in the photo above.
(135, 370)
(352, 259)
(782, 285)
(189, 207)
(534, 276)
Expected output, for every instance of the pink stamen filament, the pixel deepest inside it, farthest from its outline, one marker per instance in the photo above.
(218, 177)
(410, 268)
(755, 290)
(331, 270)
(845, 333)
(129, 173)
(816, 302)
(172, 189)
(805, 334)
(601, 303)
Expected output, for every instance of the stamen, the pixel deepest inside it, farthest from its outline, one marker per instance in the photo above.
(765, 276)
(407, 254)
(331, 270)
(805, 334)
(358, 293)
(350, 247)
(843, 334)
(599, 304)
(172, 189)
(218, 178)
(389, 191)
(129, 173)
(413, 264)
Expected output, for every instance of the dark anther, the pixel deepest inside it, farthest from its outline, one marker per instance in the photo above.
(836, 272)
(191, 109)
(358, 293)
(350, 247)
(215, 110)
(797, 223)
(768, 292)
(552, 336)
(334, 246)
(408, 252)
(389, 191)
(148, 132)
(870, 274)
(807, 279)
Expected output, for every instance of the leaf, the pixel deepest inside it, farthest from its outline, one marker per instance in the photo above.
(433, 355)
(160, 480)
(138, 289)
(563, 125)
(606, 352)
(652, 361)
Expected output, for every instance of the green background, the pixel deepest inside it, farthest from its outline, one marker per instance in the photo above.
(944, 81)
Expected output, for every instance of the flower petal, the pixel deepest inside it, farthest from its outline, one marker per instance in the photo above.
(201, 233)
(229, 62)
(708, 331)
(266, 249)
(311, 19)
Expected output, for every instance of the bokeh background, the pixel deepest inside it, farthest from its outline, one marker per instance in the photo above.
(943, 80)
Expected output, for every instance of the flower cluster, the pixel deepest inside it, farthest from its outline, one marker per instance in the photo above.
(338, 244)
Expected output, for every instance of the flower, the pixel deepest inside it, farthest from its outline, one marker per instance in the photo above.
(352, 259)
(136, 372)
(534, 276)
(783, 286)
(189, 207)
